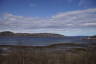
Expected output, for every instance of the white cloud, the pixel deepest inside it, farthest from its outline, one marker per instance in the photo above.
(73, 20)
(76, 18)
(72, 13)
(89, 24)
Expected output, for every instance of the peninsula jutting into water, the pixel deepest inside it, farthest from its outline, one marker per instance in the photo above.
(36, 48)
(9, 33)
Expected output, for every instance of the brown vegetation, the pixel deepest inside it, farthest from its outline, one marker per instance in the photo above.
(39, 55)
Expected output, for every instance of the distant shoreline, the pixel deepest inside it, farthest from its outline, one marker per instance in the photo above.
(89, 39)
(11, 34)
(48, 46)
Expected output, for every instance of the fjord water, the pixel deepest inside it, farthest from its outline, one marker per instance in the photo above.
(39, 41)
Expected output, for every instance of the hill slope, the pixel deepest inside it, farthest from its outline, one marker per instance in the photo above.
(8, 33)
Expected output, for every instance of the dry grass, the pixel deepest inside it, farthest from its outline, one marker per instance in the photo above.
(47, 56)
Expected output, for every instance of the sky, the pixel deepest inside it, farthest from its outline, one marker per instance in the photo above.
(67, 17)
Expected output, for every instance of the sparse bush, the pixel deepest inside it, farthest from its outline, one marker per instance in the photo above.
(41, 56)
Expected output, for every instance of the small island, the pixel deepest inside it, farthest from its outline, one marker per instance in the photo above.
(12, 34)
(92, 37)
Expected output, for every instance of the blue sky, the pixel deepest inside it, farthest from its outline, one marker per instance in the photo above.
(68, 17)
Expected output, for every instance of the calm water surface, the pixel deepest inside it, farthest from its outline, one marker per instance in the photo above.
(40, 41)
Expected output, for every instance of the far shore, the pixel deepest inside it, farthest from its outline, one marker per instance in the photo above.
(48, 46)
(89, 39)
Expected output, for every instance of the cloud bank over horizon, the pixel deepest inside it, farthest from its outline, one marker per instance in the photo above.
(73, 21)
